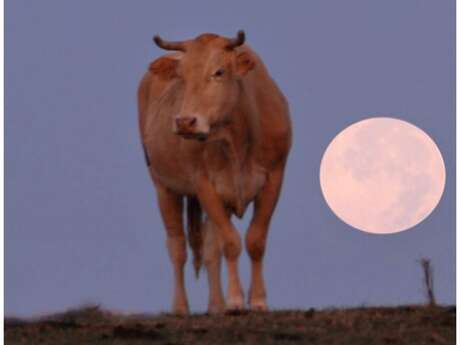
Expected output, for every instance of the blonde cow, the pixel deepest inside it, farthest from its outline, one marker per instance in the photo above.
(216, 133)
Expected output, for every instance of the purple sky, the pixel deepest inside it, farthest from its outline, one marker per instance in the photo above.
(82, 224)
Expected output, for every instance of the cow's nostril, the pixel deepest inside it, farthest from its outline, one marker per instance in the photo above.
(185, 123)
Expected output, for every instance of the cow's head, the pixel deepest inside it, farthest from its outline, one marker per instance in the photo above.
(210, 68)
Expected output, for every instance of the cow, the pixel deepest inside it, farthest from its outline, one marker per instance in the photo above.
(216, 133)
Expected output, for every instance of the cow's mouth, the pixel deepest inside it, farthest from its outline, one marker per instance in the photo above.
(194, 136)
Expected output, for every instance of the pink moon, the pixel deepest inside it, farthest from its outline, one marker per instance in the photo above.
(382, 175)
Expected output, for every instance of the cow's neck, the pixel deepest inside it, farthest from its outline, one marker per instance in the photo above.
(234, 146)
(237, 145)
(242, 133)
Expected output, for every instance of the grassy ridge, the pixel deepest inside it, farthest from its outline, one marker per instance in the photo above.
(364, 326)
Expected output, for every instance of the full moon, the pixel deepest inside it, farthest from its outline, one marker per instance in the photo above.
(382, 175)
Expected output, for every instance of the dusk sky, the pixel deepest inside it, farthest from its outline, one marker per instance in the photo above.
(81, 221)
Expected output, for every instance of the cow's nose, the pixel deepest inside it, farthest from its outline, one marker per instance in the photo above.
(185, 123)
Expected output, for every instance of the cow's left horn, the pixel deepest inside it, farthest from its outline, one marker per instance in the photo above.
(168, 45)
(237, 41)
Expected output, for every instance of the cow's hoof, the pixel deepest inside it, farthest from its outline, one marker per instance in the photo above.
(258, 306)
(180, 310)
(235, 306)
(215, 309)
(236, 312)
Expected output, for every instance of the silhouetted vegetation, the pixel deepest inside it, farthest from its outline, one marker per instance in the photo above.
(428, 282)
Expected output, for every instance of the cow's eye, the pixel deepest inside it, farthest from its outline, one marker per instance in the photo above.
(219, 73)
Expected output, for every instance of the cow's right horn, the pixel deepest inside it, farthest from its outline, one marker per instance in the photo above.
(167, 45)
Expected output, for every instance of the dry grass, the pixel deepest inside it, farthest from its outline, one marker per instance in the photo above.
(364, 326)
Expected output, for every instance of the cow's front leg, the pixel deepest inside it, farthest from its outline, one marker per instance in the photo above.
(212, 255)
(256, 236)
(171, 206)
(230, 238)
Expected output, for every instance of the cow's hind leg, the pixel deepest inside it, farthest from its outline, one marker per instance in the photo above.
(231, 241)
(256, 236)
(212, 255)
(171, 206)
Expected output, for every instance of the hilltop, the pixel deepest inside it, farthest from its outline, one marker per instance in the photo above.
(415, 325)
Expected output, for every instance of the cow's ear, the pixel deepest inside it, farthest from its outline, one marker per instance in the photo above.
(165, 67)
(244, 63)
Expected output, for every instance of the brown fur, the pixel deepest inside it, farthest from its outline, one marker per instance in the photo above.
(244, 63)
(164, 67)
(206, 38)
(246, 121)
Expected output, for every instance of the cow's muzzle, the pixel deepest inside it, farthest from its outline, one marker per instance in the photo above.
(188, 127)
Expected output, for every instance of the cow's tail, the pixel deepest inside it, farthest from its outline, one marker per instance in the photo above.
(195, 236)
